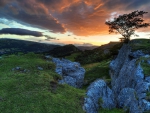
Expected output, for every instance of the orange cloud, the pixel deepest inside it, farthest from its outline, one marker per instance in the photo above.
(88, 17)
(57, 5)
(81, 17)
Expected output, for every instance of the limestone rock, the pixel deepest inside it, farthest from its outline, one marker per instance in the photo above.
(98, 94)
(136, 54)
(39, 68)
(130, 74)
(116, 65)
(48, 57)
(20, 69)
(127, 99)
(147, 79)
(142, 88)
(145, 105)
(72, 73)
(128, 81)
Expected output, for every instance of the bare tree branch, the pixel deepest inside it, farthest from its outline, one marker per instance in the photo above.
(126, 24)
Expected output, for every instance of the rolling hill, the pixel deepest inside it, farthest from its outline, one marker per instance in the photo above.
(11, 46)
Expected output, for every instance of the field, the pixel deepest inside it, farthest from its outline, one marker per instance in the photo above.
(25, 88)
(34, 90)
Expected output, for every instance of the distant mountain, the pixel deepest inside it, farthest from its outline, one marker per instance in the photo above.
(105, 46)
(63, 51)
(100, 53)
(109, 45)
(11, 46)
(83, 48)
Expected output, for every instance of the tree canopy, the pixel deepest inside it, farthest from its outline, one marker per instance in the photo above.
(126, 24)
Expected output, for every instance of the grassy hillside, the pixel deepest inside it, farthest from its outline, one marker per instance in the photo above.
(83, 48)
(141, 44)
(99, 54)
(97, 70)
(11, 46)
(73, 56)
(34, 90)
(64, 51)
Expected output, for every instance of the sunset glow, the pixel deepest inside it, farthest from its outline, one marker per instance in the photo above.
(79, 22)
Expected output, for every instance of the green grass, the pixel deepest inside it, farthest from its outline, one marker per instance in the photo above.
(148, 96)
(145, 66)
(141, 44)
(35, 91)
(72, 56)
(144, 45)
(97, 70)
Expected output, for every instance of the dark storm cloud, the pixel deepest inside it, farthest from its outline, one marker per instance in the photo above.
(4, 2)
(42, 21)
(33, 13)
(138, 3)
(18, 31)
(57, 5)
(82, 17)
(88, 17)
(124, 4)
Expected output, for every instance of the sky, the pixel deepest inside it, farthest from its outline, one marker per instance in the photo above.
(78, 22)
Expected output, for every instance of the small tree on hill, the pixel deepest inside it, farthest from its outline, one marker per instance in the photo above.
(127, 23)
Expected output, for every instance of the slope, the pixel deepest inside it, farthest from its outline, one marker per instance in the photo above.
(28, 84)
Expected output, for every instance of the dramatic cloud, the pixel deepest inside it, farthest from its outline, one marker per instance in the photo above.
(33, 13)
(42, 21)
(48, 38)
(81, 17)
(18, 31)
(57, 5)
(4, 2)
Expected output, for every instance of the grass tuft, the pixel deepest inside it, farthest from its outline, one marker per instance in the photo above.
(97, 70)
(36, 91)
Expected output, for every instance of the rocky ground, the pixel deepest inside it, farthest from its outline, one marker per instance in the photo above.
(37, 83)
(129, 84)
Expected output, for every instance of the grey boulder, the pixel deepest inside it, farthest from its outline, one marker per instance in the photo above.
(98, 94)
(136, 54)
(129, 84)
(72, 73)
(128, 100)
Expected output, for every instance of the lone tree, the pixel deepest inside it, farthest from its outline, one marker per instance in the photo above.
(127, 23)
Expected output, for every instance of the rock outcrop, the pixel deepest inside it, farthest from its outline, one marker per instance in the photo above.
(136, 54)
(128, 101)
(20, 69)
(129, 84)
(128, 80)
(98, 94)
(72, 73)
(117, 64)
(148, 61)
